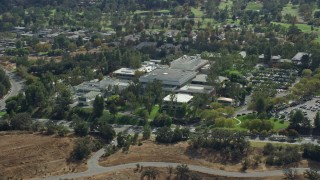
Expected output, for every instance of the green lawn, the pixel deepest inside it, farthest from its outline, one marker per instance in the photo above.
(277, 123)
(254, 6)
(292, 10)
(224, 3)
(154, 112)
(303, 27)
(2, 113)
(53, 12)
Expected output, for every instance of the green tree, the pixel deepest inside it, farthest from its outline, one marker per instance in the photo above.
(162, 120)
(306, 73)
(268, 149)
(81, 128)
(296, 118)
(113, 109)
(98, 106)
(260, 105)
(107, 132)
(62, 130)
(21, 121)
(36, 95)
(82, 148)
(146, 132)
(164, 135)
(121, 139)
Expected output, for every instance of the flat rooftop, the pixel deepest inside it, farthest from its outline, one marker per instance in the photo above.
(196, 89)
(200, 78)
(125, 71)
(299, 56)
(179, 98)
(189, 63)
(174, 77)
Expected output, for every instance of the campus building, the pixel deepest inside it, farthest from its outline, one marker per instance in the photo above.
(170, 78)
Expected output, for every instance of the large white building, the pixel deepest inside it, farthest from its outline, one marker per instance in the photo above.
(170, 78)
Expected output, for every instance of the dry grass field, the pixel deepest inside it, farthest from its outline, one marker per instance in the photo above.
(32, 155)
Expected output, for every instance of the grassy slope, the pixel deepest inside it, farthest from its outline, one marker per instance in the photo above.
(292, 10)
(154, 112)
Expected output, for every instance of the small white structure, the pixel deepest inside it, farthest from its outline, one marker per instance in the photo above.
(125, 73)
(176, 100)
(299, 56)
(226, 101)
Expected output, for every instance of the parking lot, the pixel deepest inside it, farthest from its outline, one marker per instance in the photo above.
(309, 109)
(281, 77)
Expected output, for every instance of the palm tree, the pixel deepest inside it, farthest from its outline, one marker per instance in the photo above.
(150, 173)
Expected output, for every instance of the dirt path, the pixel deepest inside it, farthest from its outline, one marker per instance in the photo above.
(94, 169)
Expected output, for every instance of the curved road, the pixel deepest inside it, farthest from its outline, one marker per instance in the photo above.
(16, 87)
(94, 169)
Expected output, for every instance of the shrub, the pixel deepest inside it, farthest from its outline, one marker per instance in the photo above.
(81, 128)
(51, 128)
(62, 130)
(311, 151)
(82, 148)
(162, 120)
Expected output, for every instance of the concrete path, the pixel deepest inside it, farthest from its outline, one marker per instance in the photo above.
(94, 169)
(16, 88)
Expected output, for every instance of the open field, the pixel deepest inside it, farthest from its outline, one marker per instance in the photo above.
(291, 10)
(32, 155)
(278, 125)
(303, 27)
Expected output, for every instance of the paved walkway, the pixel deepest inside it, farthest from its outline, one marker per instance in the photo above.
(94, 169)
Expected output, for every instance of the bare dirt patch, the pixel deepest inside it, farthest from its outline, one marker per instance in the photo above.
(33, 155)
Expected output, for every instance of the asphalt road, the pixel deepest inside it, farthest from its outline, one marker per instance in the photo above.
(16, 88)
(94, 169)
